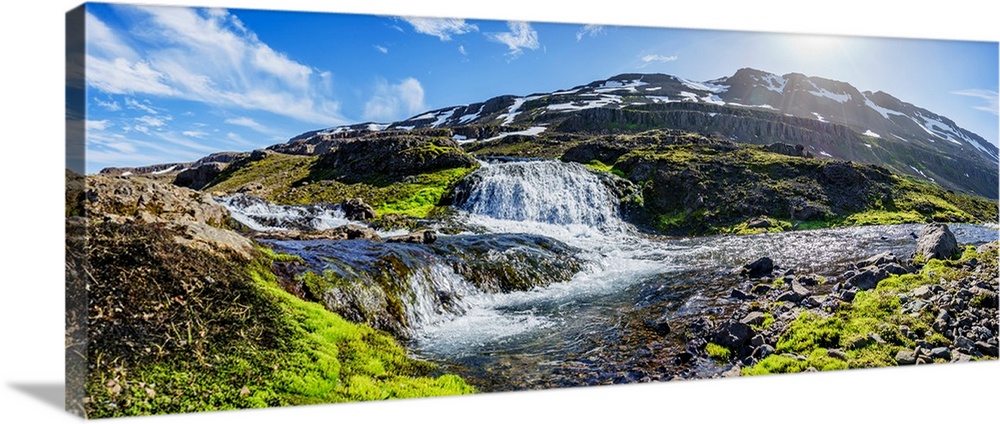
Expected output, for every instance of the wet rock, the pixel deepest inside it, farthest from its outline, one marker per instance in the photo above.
(936, 241)
(837, 353)
(758, 268)
(356, 210)
(906, 357)
(427, 236)
(660, 325)
(733, 335)
(740, 295)
(760, 289)
(757, 340)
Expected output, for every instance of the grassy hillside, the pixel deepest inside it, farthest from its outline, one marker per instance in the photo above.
(406, 175)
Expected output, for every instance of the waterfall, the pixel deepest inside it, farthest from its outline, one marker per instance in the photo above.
(550, 193)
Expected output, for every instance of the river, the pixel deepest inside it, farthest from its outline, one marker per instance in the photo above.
(584, 327)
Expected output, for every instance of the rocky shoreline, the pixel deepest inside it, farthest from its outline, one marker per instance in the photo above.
(938, 306)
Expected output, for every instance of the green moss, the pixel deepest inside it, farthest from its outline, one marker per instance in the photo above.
(418, 198)
(777, 364)
(284, 351)
(767, 323)
(718, 353)
(598, 166)
(873, 312)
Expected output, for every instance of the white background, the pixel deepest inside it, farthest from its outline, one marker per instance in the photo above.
(32, 284)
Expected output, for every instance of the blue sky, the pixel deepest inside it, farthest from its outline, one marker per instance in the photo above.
(170, 84)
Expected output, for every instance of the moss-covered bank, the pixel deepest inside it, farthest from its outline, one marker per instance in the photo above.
(175, 329)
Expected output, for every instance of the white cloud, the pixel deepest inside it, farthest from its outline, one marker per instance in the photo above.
(206, 56)
(442, 28)
(658, 58)
(521, 36)
(153, 121)
(591, 30)
(391, 101)
(461, 49)
(96, 125)
(195, 134)
(381, 49)
(137, 105)
(655, 58)
(992, 99)
(110, 105)
(249, 123)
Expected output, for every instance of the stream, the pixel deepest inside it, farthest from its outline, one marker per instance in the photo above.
(595, 280)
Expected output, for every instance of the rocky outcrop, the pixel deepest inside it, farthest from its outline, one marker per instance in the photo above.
(197, 220)
(200, 176)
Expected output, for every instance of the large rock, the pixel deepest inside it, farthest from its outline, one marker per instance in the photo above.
(758, 268)
(733, 335)
(194, 217)
(357, 210)
(936, 241)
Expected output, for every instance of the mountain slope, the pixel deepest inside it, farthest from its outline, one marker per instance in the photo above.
(829, 118)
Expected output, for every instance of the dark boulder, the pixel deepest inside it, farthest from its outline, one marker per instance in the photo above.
(758, 268)
(936, 241)
(733, 335)
(357, 210)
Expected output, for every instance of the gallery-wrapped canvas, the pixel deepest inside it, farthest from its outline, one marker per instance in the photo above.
(274, 208)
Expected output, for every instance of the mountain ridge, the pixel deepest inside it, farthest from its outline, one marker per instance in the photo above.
(829, 118)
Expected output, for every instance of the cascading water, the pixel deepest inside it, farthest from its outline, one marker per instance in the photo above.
(564, 200)
(260, 215)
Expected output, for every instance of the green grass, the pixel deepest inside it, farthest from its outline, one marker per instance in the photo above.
(281, 178)
(598, 166)
(777, 364)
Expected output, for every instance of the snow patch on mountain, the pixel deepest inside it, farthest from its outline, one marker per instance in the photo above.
(885, 112)
(704, 86)
(838, 97)
(871, 133)
(529, 131)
